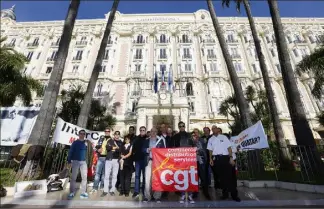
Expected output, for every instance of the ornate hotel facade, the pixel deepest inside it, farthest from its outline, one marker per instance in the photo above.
(180, 46)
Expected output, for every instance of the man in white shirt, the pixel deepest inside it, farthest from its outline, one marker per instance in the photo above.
(221, 159)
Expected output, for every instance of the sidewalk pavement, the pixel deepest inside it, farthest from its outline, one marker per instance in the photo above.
(251, 197)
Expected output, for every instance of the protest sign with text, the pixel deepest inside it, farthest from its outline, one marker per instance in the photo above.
(66, 133)
(16, 124)
(251, 138)
(174, 169)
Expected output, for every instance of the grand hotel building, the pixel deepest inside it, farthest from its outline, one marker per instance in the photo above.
(186, 45)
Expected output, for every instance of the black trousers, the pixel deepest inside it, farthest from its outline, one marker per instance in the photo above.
(203, 175)
(224, 171)
(125, 179)
(118, 180)
(216, 178)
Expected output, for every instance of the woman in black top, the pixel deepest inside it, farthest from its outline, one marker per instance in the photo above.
(126, 167)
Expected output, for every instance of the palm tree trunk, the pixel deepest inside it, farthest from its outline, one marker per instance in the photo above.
(43, 125)
(254, 157)
(42, 128)
(285, 159)
(86, 105)
(242, 103)
(303, 133)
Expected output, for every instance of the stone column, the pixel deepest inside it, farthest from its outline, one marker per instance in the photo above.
(149, 121)
(141, 119)
(175, 122)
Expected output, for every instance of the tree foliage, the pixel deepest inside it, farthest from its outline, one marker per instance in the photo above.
(71, 101)
(13, 83)
(259, 103)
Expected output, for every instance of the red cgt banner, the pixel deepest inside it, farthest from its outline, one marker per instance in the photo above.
(174, 170)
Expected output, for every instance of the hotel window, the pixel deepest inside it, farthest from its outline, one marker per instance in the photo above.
(211, 106)
(234, 51)
(38, 55)
(75, 68)
(246, 39)
(238, 67)
(188, 67)
(298, 39)
(185, 39)
(109, 40)
(49, 70)
(29, 55)
(138, 54)
(208, 89)
(54, 55)
(140, 39)
(134, 104)
(58, 41)
(295, 51)
(78, 55)
(230, 38)
(311, 39)
(303, 52)
(106, 56)
(103, 69)
(255, 69)
(202, 52)
(210, 53)
(213, 67)
(36, 42)
(163, 53)
(162, 39)
(186, 53)
(191, 106)
(189, 89)
(278, 68)
(273, 53)
(12, 42)
(205, 68)
(138, 67)
(99, 89)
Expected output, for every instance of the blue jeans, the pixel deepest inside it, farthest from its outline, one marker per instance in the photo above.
(100, 173)
(139, 169)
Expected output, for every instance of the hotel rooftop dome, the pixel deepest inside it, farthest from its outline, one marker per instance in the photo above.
(9, 13)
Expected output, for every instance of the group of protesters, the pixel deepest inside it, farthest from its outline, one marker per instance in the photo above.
(120, 157)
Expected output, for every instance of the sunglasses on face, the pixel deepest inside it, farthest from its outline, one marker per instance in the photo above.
(181, 126)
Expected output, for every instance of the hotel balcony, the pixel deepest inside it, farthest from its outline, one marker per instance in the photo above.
(187, 57)
(81, 43)
(32, 45)
(211, 56)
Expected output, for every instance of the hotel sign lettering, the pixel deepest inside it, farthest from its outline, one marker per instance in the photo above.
(158, 19)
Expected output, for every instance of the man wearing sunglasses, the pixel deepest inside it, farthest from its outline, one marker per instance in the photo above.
(183, 139)
(139, 156)
(77, 160)
(100, 167)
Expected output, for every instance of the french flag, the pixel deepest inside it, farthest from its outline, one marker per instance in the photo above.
(170, 81)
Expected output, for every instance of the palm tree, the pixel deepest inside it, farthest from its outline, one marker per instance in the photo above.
(314, 64)
(86, 106)
(242, 103)
(302, 130)
(42, 128)
(13, 83)
(284, 155)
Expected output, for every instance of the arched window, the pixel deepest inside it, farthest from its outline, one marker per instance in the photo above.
(189, 89)
(140, 39)
(162, 39)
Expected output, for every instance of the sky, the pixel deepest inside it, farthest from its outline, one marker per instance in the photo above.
(91, 9)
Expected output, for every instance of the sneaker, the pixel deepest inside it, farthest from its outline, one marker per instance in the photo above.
(84, 195)
(71, 195)
(191, 200)
(121, 194)
(145, 200)
(158, 201)
(112, 193)
(126, 195)
(237, 199)
(103, 194)
(135, 195)
(182, 199)
(93, 191)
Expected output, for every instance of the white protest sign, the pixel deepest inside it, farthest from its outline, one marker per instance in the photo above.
(66, 133)
(251, 138)
(16, 124)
